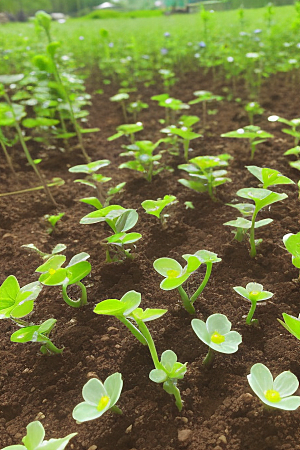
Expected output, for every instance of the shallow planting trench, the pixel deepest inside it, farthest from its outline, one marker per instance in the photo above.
(220, 411)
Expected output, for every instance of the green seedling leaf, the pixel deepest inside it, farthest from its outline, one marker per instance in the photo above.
(269, 177)
(91, 167)
(93, 201)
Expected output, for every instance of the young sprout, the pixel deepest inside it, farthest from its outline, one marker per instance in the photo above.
(38, 333)
(127, 130)
(57, 249)
(253, 109)
(254, 293)
(99, 398)
(16, 302)
(168, 370)
(217, 335)
(261, 198)
(120, 98)
(205, 173)
(274, 393)
(34, 439)
(189, 205)
(172, 105)
(55, 275)
(120, 220)
(204, 97)
(292, 244)
(155, 207)
(185, 133)
(269, 177)
(136, 107)
(175, 275)
(144, 161)
(293, 124)
(291, 324)
(52, 220)
(168, 78)
(254, 135)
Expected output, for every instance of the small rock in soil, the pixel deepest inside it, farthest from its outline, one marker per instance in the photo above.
(184, 435)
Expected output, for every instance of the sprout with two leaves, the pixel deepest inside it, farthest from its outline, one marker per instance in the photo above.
(40, 334)
(292, 244)
(53, 274)
(204, 97)
(253, 109)
(254, 135)
(121, 98)
(261, 198)
(168, 370)
(95, 181)
(16, 302)
(144, 161)
(136, 107)
(120, 221)
(293, 124)
(172, 105)
(185, 132)
(175, 275)
(291, 324)
(52, 220)
(57, 249)
(206, 173)
(155, 207)
(269, 177)
(217, 334)
(253, 293)
(274, 393)
(127, 130)
(34, 440)
(98, 398)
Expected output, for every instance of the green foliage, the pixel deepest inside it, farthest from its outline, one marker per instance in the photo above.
(254, 135)
(155, 207)
(57, 249)
(254, 293)
(292, 244)
(253, 109)
(53, 221)
(269, 177)
(291, 324)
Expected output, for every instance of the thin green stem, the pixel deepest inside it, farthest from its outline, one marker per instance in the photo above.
(209, 359)
(251, 312)
(186, 301)
(203, 284)
(8, 158)
(51, 347)
(253, 148)
(133, 330)
(75, 303)
(186, 144)
(144, 330)
(124, 112)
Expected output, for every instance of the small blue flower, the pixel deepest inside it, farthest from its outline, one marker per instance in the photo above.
(111, 44)
(81, 38)
(167, 34)
(257, 31)
(202, 44)
(164, 51)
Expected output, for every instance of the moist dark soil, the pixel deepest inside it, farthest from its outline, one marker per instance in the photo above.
(220, 411)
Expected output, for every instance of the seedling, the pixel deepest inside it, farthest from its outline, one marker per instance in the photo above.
(292, 244)
(254, 293)
(203, 174)
(291, 324)
(254, 135)
(293, 124)
(167, 371)
(204, 97)
(55, 275)
(38, 333)
(269, 177)
(120, 220)
(136, 107)
(217, 335)
(16, 302)
(274, 393)
(34, 440)
(156, 207)
(144, 161)
(261, 198)
(185, 132)
(57, 249)
(52, 220)
(121, 98)
(253, 109)
(95, 181)
(172, 105)
(99, 398)
(168, 78)
(127, 130)
(175, 275)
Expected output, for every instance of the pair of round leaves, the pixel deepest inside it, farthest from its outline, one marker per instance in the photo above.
(98, 397)
(172, 369)
(254, 292)
(17, 302)
(275, 393)
(217, 334)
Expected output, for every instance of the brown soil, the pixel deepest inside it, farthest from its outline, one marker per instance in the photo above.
(220, 411)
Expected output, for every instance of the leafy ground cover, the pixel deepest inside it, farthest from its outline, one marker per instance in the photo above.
(219, 409)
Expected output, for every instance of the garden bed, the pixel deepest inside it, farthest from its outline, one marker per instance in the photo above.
(220, 411)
